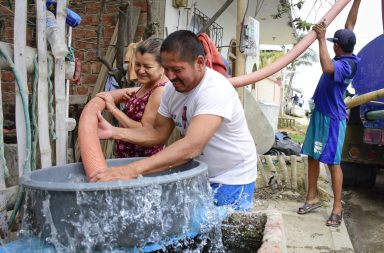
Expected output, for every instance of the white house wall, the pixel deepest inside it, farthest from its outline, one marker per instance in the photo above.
(176, 19)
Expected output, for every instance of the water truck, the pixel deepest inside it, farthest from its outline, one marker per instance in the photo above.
(363, 151)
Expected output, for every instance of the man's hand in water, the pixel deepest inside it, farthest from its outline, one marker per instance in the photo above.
(104, 129)
(113, 173)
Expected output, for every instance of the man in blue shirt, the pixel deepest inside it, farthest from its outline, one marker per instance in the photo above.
(326, 131)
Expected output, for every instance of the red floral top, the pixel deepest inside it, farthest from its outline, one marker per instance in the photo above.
(134, 109)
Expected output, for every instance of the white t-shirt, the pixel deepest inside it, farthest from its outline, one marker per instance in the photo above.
(231, 152)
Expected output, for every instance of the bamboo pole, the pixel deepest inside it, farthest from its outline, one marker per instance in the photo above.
(260, 167)
(284, 169)
(287, 158)
(44, 142)
(365, 98)
(269, 161)
(20, 40)
(293, 172)
(60, 94)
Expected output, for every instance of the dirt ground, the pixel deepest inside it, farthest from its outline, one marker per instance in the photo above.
(364, 216)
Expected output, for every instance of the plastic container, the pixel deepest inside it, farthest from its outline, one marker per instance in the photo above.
(62, 207)
(73, 19)
(58, 47)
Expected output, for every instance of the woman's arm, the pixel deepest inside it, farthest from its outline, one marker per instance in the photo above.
(114, 98)
(149, 115)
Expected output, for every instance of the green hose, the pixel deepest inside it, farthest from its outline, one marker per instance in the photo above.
(27, 162)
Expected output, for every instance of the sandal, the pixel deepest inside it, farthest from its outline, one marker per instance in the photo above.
(307, 207)
(335, 220)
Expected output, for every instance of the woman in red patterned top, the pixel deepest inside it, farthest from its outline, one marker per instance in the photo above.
(141, 103)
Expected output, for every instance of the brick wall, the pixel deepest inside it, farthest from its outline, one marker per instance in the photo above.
(84, 39)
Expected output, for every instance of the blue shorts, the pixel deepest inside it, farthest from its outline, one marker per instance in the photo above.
(324, 138)
(237, 196)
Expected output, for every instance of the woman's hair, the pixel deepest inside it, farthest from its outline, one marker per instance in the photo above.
(185, 43)
(150, 46)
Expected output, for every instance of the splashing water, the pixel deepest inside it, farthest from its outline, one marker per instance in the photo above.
(163, 217)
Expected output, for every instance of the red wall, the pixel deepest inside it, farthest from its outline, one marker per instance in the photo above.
(83, 41)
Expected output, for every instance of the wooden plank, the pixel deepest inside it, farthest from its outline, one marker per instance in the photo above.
(158, 15)
(133, 21)
(60, 98)
(44, 141)
(20, 40)
(78, 99)
(29, 54)
(100, 82)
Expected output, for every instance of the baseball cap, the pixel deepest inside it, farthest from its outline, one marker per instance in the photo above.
(345, 38)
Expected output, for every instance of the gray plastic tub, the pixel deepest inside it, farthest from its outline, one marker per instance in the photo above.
(66, 211)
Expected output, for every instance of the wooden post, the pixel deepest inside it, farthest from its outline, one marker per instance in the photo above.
(20, 41)
(44, 142)
(60, 122)
(294, 172)
(240, 59)
(260, 167)
(269, 161)
(284, 169)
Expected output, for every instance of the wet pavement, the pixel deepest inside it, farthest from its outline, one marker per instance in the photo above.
(364, 216)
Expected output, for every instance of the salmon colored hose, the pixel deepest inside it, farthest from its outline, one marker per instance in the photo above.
(300, 47)
(90, 149)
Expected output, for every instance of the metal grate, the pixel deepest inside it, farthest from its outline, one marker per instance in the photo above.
(215, 31)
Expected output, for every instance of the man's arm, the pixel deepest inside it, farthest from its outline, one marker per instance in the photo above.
(200, 131)
(352, 15)
(147, 136)
(325, 59)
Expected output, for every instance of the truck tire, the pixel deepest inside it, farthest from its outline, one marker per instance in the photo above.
(355, 174)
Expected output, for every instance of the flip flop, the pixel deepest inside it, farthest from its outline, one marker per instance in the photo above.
(307, 207)
(334, 220)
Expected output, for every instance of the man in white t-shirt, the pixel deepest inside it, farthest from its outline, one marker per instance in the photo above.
(203, 105)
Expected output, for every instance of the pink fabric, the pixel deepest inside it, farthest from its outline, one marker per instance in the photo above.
(212, 55)
(134, 109)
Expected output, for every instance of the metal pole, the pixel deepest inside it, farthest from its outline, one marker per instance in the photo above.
(214, 17)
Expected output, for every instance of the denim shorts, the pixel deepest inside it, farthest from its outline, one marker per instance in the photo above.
(239, 197)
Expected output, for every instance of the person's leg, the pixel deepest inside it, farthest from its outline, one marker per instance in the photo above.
(313, 176)
(337, 187)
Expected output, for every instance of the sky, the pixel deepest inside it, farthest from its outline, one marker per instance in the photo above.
(368, 26)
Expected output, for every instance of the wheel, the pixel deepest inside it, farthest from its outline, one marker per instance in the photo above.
(355, 174)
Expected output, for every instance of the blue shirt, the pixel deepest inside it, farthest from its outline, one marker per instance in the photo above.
(329, 93)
